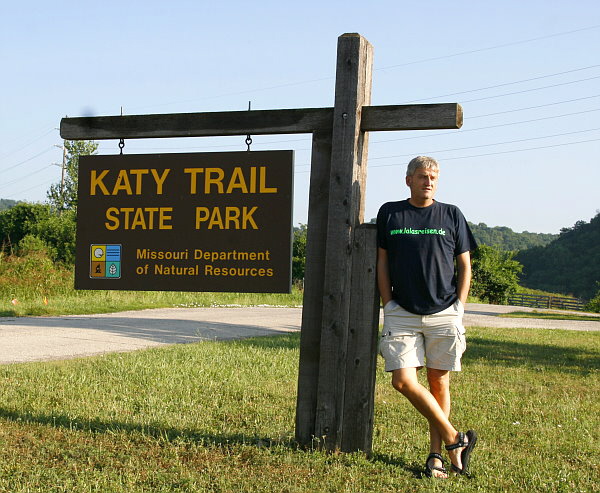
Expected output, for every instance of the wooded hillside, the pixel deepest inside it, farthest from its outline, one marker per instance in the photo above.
(505, 238)
(569, 265)
(7, 204)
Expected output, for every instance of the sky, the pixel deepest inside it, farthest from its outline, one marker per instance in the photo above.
(526, 73)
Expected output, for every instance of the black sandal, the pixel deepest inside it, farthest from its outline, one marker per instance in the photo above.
(429, 470)
(465, 455)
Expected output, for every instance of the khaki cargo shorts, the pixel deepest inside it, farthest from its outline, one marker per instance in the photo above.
(409, 340)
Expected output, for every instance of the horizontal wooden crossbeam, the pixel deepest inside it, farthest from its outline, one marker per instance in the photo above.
(261, 122)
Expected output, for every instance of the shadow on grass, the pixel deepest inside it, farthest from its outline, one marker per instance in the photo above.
(543, 356)
(157, 432)
(171, 435)
(388, 460)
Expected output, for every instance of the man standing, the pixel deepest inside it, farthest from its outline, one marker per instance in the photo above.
(423, 296)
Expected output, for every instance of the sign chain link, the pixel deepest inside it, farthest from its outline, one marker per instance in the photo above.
(121, 141)
(248, 137)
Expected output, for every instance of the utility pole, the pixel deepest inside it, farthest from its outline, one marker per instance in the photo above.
(63, 168)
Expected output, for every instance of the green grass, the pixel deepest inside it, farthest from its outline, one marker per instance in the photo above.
(550, 316)
(219, 416)
(88, 302)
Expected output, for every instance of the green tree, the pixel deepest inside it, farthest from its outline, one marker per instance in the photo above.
(495, 274)
(58, 234)
(299, 253)
(63, 196)
(18, 221)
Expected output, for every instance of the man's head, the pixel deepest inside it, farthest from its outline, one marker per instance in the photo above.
(421, 178)
(422, 162)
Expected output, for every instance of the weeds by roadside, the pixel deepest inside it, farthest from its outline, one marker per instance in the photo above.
(33, 285)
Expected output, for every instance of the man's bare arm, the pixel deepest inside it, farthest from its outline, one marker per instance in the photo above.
(384, 283)
(463, 267)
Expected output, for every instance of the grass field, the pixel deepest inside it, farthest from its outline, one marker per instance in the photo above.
(219, 416)
(86, 302)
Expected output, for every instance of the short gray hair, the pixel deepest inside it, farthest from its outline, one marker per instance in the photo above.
(422, 162)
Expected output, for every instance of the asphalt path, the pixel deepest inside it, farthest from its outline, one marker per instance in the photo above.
(26, 339)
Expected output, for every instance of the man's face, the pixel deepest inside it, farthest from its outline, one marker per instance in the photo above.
(423, 184)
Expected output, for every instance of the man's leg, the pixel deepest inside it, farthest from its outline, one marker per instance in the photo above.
(405, 381)
(439, 386)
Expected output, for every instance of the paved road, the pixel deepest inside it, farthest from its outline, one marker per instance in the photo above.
(50, 338)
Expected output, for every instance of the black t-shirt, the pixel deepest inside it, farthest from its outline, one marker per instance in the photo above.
(422, 243)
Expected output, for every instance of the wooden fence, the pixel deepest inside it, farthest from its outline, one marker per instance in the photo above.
(543, 301)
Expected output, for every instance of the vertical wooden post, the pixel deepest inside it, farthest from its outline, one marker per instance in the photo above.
(312, 312)
(361, 363)
(346, 209)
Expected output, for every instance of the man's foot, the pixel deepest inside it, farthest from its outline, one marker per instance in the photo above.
(434, 467)
(460, 452)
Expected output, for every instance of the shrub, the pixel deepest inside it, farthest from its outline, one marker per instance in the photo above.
(58, 233)
(495, 274)
(594, 304)
(18, 221)
(32, 245)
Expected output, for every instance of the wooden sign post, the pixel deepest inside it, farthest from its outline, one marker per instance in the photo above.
(340, 317)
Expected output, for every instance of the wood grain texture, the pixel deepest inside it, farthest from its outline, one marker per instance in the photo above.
(346, 205)
(293, 121)
(314, 279)
(363, 338)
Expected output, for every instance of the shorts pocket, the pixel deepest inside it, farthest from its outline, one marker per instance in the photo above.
(390, 305)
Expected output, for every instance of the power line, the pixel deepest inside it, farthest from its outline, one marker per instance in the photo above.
(499, 152)
(481, 155)
(10, 153)
(479, 50)
(492, 144)
(535, 107)
(424, 60)
(531, 90)
(8, 183)
(431, 152)
(26, 160)
(512, 83)
(486, 154)
(14, 195)
(462, 131)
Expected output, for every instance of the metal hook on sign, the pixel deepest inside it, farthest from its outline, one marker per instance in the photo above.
(121, 141)
(248, 138)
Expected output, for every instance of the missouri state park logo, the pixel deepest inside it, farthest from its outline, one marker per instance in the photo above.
(105, 261)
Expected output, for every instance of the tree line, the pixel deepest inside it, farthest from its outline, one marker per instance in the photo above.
(7, 204)
(570, 264)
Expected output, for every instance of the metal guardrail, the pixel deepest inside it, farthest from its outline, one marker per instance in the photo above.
(544, 301)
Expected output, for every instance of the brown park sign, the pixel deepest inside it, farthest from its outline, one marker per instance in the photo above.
(185, 222)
